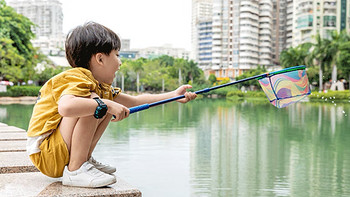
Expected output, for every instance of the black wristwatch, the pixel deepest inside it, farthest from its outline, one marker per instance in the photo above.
(101, 109)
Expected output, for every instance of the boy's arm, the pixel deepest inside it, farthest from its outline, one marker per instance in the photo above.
(73, 106)
(131, 101)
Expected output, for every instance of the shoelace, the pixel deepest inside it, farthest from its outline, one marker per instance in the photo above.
(94, 171)
(95, 162)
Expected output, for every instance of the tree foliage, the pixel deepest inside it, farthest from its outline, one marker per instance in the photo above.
(295, 56)
(324, 55)
(18, 57)
(154, 72)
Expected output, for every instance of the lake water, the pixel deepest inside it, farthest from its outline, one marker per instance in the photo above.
(213, 147)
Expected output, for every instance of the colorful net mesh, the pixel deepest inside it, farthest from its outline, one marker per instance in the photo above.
(286, 88)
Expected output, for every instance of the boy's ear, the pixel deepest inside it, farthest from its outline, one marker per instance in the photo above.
(99, 58)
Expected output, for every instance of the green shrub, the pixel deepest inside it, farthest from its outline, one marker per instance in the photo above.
(16, 91)
(330, 95)
(249, 94)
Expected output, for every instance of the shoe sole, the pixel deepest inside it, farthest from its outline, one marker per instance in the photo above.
(93, 186)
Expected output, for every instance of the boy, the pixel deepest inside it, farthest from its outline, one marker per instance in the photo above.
(74, 108)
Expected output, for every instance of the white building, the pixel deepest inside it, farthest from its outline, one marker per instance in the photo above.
(322, 16)
(154, 52)
(201, 12)
(48, 16)
(205, 43)
(241, 37)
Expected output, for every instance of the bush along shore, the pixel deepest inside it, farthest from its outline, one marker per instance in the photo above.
(228, 93)
(17, 91)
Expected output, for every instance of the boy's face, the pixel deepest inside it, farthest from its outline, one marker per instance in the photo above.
(111, 64)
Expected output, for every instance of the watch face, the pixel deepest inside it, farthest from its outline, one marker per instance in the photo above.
(100, 111)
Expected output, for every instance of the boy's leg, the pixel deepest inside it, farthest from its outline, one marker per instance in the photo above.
(81, 136)
(99, 131)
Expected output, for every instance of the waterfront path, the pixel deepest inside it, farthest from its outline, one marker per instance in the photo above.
(18, 176)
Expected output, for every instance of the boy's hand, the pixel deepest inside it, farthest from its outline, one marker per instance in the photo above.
(119, 111)
(188, 95)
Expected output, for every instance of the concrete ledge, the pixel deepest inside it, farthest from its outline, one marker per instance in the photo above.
(15, 162)
(19, 177)
(13, 136)
(13, 146)
(3, 125)
(11, 129)
(21, 100)
(37, 184)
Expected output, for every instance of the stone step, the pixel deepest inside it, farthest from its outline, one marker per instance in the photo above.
(37, 184)
(15, 162)
(11, 129)
(3, 124)
(13, 136)
(19, 177)
(13, 146)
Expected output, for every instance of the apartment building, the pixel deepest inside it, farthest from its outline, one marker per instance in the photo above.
(243, 34)
(241, 37)
(282, 27)
(48, 16)
(167, 49)
(201, 31)
(319, 16)
(205, 42)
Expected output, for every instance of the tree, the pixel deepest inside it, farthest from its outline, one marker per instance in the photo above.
(319, 54)
(295, 56)
(166, 60)
(333, 50)
(344, 59)
(18, 54)
(192, 71)
(212, 79)
(137, 67)
(251, 73)
(10, 61)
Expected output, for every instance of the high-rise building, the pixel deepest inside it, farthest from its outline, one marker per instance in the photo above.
(240, 38)
(48, 16)
(243, 34)
(282, 27)
(343, 15)
(201, 15)
(321, 16)
(204, 45)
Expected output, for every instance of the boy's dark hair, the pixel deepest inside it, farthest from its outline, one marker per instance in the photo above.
(86, 40)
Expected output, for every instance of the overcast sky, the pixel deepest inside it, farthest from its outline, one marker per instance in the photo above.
(145, 22)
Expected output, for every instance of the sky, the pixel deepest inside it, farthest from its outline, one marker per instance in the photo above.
(145, 22)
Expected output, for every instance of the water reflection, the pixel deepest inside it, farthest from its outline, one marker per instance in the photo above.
(16, 115)
(255, 150)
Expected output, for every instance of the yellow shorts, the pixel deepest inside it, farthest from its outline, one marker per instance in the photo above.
(54, 155)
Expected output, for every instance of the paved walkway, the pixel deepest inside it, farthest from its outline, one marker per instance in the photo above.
(18, 176)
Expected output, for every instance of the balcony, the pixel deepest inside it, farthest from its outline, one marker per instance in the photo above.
(249, 15)
(249, 9)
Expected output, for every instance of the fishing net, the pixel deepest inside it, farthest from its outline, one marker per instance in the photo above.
(285, 88)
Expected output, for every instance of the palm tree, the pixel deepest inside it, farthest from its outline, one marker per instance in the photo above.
(180, 64)
(295, 56)
(334, 50)
(124, 69)
(344, 58)
(137, 67)
(192, 70)
(319, 54)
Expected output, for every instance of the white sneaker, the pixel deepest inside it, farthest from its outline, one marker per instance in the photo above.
(102, 167)
(87, 176)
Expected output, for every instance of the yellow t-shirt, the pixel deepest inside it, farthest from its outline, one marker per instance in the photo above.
(76, 81)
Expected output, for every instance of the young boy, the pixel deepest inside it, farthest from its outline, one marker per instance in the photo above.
(74, 108)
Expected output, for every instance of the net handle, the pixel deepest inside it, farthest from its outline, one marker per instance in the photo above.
(146, 106)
